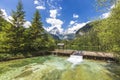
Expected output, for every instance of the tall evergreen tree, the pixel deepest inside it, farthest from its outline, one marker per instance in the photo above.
(1, 13)
(37, 25)
(18, 21)
(1, 19)
(18, 15)
(6, 36)
(36, 31)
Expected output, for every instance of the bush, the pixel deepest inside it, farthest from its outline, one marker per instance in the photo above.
(5, 56)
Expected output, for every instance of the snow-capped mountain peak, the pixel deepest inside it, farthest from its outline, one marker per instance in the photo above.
(55, 31)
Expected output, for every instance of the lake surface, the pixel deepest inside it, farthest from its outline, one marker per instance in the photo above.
(55, 68)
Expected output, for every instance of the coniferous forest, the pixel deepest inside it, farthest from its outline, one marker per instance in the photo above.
(18, 41)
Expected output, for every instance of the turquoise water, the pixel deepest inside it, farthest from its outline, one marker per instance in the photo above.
(57, 68)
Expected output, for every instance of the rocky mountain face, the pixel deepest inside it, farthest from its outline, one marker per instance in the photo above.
(87, 27)
(84, 29)
(55, 32)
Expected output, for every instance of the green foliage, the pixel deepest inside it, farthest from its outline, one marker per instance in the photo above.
(16, 39)
(18, 15)
(105, 4)
(101, 35)
(36, 31)
(88, 40)
(5, 38)
(5, 56)
(110, 30)
(39, 38)
(18, 21)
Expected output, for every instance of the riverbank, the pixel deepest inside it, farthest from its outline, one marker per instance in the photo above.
(8, 57)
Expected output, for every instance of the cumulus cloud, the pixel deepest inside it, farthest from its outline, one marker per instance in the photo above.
(53, 13)
(6, 16)
(40, 7)
(36, 2)
(27, 24)
(40, 4)
(112, 6)
(75, 16)
(54, 7)
(105, 15)
(54, 4)
(72, 22)
(75, 27)
(4, 12)
(54, 22)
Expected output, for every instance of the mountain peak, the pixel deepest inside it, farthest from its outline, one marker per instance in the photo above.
(55, 31)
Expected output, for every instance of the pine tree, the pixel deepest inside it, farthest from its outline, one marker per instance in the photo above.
(0, 13)
(1, 19)
(18, 15)
(37, 25)
(6, 37)
(18, 21)
(36, 31)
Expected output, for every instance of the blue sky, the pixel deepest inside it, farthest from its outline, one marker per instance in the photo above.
(63, 14)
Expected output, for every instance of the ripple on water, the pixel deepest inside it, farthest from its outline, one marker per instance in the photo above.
(58, 68)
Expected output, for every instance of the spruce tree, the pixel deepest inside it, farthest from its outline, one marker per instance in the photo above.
(1, 19)
(1, 13)
(37, 25)
(18, 21)
(18, 15)
(36, 31)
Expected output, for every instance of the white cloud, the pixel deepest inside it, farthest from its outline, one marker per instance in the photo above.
(27, 24)
(105, 15)
(75, 16)
(72, 22)
(4, 12)
(75, 27)
(54, 4)
(40, 4)
(36, 2)
(113, 6)
(5, 16)
(53, 13)
(54, 21)
(10, 17)
(40, 7)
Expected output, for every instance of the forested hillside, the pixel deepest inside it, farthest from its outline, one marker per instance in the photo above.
(16, 40)
(101, 35)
